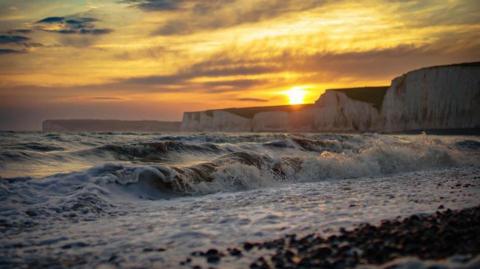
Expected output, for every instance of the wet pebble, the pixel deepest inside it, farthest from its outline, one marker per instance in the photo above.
(437, 236)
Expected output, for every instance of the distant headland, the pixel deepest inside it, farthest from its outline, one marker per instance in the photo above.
(92, 125)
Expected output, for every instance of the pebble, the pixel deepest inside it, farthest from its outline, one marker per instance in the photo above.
(430, 237)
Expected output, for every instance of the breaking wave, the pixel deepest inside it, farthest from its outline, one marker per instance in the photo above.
(151, 151)
(157, 169)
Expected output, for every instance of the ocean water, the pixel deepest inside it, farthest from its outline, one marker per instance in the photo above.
(131, 200)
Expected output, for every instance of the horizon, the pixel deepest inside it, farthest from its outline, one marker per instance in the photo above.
(154, 60)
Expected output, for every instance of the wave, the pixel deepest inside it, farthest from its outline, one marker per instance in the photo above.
(36, 146)
(11, 155)
(231, 167)
(150, 151)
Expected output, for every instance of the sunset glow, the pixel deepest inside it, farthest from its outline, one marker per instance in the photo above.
(155, 59)
(296, 95)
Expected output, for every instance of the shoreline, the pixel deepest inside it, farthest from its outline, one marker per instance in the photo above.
(427, 237)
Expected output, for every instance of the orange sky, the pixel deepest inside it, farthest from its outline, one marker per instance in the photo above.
(154, 59)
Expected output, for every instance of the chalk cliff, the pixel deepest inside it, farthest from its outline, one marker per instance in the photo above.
(349, 110)
(250, 119)
(441, 97)
(214, 121)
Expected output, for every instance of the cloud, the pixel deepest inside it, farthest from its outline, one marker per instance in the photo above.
(216, 72)
(196, 16)
(374, 63)
(236, 83)
(184, 82)
(10, 51)
(440, 13)
(71, 25)
(52, 20)
(16, 44)
(13, 39)
(190, 17)
(106, 98)
(157, 5)
(20, 31)
(225, 85)
(247, 71)
(209, 68)
(259, 100)
(216, 79)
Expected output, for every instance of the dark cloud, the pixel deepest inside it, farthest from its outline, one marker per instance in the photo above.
(52, 20)
(209, 68)
(259, 100)
(158, 80)
(183, 79)
(236, 84)
(10, 51)
(15, 44)
(226, 85)
(71, 25)
(20, 31)
(106, 98)
(182, 82)
(157, 5)
(13, 39)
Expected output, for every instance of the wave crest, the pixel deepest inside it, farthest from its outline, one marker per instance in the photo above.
(229, 167)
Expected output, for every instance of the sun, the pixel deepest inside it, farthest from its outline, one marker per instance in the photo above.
(296, 95)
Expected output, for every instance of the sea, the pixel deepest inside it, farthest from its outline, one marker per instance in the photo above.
(136, 200)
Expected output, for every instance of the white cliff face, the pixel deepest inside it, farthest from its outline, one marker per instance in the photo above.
(270, 121)
(433, 98)
(336, 112)
(215, 121)
(300, 120)
(196, 121)
(445, 97)
(229, 122)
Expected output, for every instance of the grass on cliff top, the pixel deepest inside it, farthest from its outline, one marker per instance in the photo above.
(462, 65)
(372, 95)
(467, 64)
(249, 112)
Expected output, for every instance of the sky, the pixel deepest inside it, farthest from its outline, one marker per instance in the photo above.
(155, 59)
